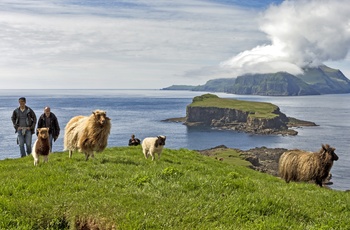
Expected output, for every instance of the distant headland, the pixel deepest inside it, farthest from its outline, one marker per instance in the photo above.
(314, 81)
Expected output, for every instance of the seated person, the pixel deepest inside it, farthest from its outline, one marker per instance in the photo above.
(134, 141)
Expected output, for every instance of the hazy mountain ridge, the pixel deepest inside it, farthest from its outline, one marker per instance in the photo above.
(314, 81)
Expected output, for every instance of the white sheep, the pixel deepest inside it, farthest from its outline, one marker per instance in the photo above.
(153, 145)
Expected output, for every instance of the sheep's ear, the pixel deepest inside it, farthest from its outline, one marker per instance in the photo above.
(326, 147)
(108, 118)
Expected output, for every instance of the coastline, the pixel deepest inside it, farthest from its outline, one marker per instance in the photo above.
(241, 127)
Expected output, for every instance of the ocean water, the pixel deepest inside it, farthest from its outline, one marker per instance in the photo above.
(141, 112)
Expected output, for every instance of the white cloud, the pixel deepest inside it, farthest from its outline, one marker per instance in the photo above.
(302, 33)
(154, 44)
(136, 44)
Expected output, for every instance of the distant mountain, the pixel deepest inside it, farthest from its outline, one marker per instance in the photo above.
(326, 80)
(277, 84)
(314, 81)
(216, 85)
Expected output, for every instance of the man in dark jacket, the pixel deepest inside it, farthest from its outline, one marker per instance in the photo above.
(49, 120)
(24, 121)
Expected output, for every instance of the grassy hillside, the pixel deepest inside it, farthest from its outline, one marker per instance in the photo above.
(216, 85)
(280, 83)
(256, 109)
(119, 189)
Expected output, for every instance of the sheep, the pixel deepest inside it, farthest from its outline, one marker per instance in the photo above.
(298, 165)
(87, 134)
(152, 145)
(41, 146)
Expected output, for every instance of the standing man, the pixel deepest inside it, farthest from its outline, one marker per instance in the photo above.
(49, 120)
(24, 121)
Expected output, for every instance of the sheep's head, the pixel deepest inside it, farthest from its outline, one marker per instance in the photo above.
(43, 133)
(100, 117)
(160, 141)
(330, 152)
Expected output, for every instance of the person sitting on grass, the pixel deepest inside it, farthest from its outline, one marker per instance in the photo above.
(134, 141)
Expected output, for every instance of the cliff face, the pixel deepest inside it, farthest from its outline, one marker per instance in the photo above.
(233, 119)
(206, 115)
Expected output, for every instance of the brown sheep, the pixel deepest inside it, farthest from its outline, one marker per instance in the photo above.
(87, 134)
(299, 165)
(41, 146)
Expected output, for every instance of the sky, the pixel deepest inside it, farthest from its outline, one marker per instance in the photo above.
(142, 44)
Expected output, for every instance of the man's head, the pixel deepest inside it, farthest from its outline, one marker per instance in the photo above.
(22, 101)
(47, 111)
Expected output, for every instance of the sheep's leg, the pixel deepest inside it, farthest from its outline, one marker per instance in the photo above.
(152, 154)
(319, 182)
(145, 153)
(86, 156)
(46, 158)
(36, 158)
(70, 153)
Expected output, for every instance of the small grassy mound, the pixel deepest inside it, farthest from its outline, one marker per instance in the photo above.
(119, 189)
(255, 109)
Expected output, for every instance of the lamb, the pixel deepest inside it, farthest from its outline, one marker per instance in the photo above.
(41, 146)
(87, 134)
(298, 165)
(153, 145)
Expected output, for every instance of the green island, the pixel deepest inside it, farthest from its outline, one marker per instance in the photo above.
(120, 189)
(239, 115)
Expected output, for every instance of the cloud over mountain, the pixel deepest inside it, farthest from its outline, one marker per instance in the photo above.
(302, 33)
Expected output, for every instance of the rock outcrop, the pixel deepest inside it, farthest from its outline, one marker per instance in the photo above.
(233, 119)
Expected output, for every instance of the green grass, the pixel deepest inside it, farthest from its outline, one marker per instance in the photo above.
(255, 109)
(119, 189)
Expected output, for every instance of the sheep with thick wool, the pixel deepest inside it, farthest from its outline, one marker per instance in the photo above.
(41, 146)
(87, 134)
(299, 165)
(153, 145)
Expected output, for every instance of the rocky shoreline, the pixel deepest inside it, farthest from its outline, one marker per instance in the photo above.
(262, 159)
(242, 127)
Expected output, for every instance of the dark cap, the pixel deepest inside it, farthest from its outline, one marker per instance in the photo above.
(22, 99)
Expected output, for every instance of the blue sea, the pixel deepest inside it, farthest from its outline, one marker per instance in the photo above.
(141, 112)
